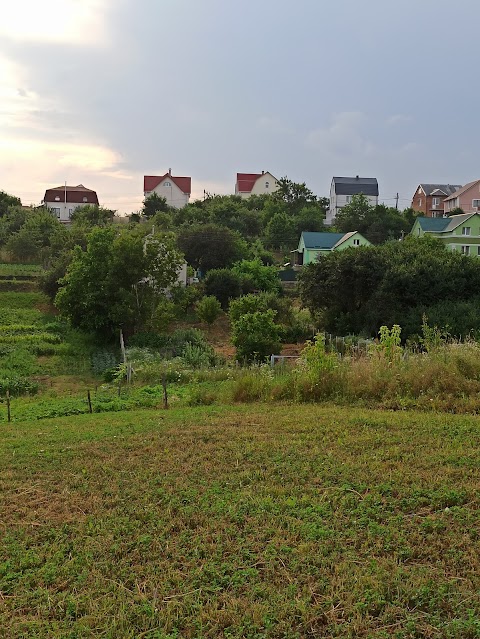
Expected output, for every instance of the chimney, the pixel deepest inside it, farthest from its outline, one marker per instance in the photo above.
(170, 172)
(357, 177)
(263, 172)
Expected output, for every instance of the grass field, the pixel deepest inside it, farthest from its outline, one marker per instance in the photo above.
(244, 522)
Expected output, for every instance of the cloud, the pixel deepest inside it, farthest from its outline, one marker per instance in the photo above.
(398, 118)
(67, 21)
(343, 137)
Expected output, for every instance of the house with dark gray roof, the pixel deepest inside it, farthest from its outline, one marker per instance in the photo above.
(342, 190)
(429, 198)
(457, 232)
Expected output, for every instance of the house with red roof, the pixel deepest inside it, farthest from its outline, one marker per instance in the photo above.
(248, 184)
(63, 200)
(176, 190)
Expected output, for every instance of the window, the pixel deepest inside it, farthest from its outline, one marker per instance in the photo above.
(349, 199)
(167, 184)
(85, 199)
(57, 198)
(478, 250)
(435, 201)
(420, 202)
(70, 211)
(56, 211)
(419, 190)
(267, 185)
(466, 230)
(356, 242)
(476, 204)
(466, 250)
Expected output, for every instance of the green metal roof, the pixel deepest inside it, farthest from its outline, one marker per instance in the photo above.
(321, 240)
(433, 224)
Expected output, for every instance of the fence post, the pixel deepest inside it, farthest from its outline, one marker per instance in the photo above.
(9, 417)
(165, 397)
(90, 410)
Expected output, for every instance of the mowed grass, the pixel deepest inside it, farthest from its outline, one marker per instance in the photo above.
(249, 521)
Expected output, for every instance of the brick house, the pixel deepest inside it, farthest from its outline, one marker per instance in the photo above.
(429, 198)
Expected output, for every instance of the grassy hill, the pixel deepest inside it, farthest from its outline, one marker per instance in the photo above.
(241, 522)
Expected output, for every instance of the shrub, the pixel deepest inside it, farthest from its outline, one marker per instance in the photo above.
(256, 336)
(148, 339)
(224, 284)
(208, 309)
(259, 276)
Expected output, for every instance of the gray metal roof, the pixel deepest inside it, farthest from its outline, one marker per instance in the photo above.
(447, 189)
(355, 185)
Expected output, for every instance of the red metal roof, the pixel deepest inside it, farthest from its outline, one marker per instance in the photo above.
(75, 194)
(246, 181)
(150, 182)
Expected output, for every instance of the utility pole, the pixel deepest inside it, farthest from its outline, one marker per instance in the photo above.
(396, 202)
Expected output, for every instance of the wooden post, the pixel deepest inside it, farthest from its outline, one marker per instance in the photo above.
(89, 402)
(165, 397)
(9, 416)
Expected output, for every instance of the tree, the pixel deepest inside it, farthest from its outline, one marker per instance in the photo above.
(39, 237)
(281, 232)
(294, 195)
(258, 276)
(118, 281)
(153, 204)
(256, 336)
(8, 201)
(377, 223)
(210, 246)
(92, 215)
(224, 285)
(208, 309)
(359, 290)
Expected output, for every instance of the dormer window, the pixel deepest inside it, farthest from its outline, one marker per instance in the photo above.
(85, 199)
(167, 184)
(57, 198)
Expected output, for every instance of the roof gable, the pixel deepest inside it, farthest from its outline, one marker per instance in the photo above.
(443, 189)
(463, 190)
(150, 182)
(246, 181)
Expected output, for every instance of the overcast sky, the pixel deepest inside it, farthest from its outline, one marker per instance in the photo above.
(101, 92)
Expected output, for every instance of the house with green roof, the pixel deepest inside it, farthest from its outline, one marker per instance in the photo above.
(457, 232)
(311, 245)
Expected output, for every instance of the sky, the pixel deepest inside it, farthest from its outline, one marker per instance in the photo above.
(103, 92)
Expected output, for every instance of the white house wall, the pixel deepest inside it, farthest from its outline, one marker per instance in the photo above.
(175, 197)
(66, 210)
(339, 201)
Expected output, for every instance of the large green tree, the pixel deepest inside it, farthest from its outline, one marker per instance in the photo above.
(377, 223)
(210, 246)
(8, 201)
(118, 280)
(358, 290)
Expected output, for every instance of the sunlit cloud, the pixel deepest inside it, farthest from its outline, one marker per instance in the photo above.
(66, 21)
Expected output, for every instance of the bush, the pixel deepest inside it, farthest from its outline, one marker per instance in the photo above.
(224, 284)
(208, 309)
(148, 339)
(258, 276)
(256, 336)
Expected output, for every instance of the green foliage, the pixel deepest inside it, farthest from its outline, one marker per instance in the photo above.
(92, 215)
(211, 246)
(256, 336)
(257, 275)
(315, 358)
(223, 284)
(41, 236)
(7, 202)
(281, 231)
(389, 345)
(433, 337)
(162, 317)
(153, 204)
(377, 223)
(118, 281)
(357, 291)
(208, 309)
